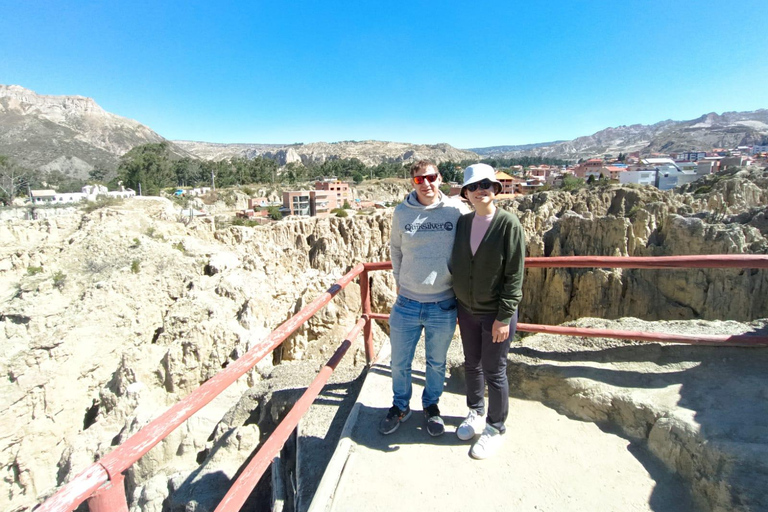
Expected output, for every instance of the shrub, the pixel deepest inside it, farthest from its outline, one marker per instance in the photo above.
(249, 223)
(340, 212)
(346, 205)
(101, 202)
(179, 246)
(151, 232)
(135, 266)
(31, 271)
(249, 191)
(572, 183)
(274, 213)
(59, 280)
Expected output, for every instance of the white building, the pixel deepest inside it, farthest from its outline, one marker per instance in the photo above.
(638, 177)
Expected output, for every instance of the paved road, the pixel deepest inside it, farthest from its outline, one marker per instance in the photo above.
(548, 463)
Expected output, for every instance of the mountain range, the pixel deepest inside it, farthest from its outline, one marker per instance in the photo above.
(74, 135)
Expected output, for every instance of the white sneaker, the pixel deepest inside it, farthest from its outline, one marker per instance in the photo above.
(488, 444)
(472, 425)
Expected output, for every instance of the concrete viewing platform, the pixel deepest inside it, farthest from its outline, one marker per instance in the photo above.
(548, 462)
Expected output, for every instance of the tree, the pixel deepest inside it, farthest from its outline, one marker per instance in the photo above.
(13, 179)
(98, 174)
(449, 171)
(274, 213)
(572, 183)
(148, 165)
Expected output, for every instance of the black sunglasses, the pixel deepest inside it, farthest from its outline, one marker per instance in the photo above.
(483, 184)
(429, 177)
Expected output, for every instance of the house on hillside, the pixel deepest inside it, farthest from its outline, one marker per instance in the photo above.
(340, 191)
(592, 167)
(507, 182)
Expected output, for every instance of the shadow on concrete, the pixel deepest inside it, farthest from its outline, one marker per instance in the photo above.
(412, 431)
(726, 388)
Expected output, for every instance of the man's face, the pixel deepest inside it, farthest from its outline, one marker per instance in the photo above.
(428, 192)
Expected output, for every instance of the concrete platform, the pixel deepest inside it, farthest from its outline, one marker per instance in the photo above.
(547, 463)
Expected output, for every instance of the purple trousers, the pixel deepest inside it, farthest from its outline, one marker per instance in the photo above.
(485, 362)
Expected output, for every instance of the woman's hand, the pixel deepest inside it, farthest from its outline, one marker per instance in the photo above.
(500, 332)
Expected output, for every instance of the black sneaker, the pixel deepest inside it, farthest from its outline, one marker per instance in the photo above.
(435, 425)
(393, 420)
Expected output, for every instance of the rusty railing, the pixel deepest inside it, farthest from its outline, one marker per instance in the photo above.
(102, 482)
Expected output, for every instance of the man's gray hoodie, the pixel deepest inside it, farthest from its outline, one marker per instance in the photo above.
(421, 244)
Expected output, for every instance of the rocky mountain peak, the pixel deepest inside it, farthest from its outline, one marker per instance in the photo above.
(41, 131)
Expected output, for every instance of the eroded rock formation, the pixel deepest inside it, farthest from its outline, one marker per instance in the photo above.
(111, 316)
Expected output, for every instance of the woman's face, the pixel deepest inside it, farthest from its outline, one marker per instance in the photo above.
(482, 196)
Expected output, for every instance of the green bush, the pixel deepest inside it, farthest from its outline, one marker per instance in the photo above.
(238, 221)
(572, 183)
(135, 266)
(346, 205)
(340, 212)
(101, 202)
(274, 213)
(59, 280)
(31, 271)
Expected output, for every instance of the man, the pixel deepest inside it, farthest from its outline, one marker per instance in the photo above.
(423, 228)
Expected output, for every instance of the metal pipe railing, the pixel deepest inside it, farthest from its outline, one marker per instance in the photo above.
(246, 482)
(102, 482)
(110, 467)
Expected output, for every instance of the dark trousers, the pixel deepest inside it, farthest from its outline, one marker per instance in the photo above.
(486, 362)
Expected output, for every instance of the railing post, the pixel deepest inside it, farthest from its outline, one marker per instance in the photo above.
(110, 497)
(365, 298)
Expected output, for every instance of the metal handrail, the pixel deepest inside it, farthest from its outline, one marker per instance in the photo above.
(102, 482)
(111, 466)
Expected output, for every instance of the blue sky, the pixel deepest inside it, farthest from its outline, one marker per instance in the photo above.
(471, 74)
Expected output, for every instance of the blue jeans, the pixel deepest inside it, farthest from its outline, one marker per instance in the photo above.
(406, 321)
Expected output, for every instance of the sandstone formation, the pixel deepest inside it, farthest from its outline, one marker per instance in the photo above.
(109, 317)
(700, 411)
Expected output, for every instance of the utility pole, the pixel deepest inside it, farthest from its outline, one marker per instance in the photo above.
(213, 183)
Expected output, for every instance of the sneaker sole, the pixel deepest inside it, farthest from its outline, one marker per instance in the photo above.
(397, 425)
(437, 433)
(465, 438)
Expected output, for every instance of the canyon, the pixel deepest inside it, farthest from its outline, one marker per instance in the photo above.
(110, 316)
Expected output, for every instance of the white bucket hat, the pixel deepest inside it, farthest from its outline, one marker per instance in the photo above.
(479, 172)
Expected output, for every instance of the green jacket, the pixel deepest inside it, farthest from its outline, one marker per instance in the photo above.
(491, 281)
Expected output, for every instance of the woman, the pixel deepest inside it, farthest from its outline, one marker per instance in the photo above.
(487, 265)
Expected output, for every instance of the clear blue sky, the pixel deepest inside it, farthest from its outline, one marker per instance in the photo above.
(471, 74)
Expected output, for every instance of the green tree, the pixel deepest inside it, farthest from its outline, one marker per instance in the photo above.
(450, 171)
(98, 174)
(148, 165)
(274, 213)
(358, 178)
(572, 183)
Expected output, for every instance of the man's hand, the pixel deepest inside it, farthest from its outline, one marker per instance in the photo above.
(500, 331)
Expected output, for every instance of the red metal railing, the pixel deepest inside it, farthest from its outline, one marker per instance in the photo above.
(102, 482)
